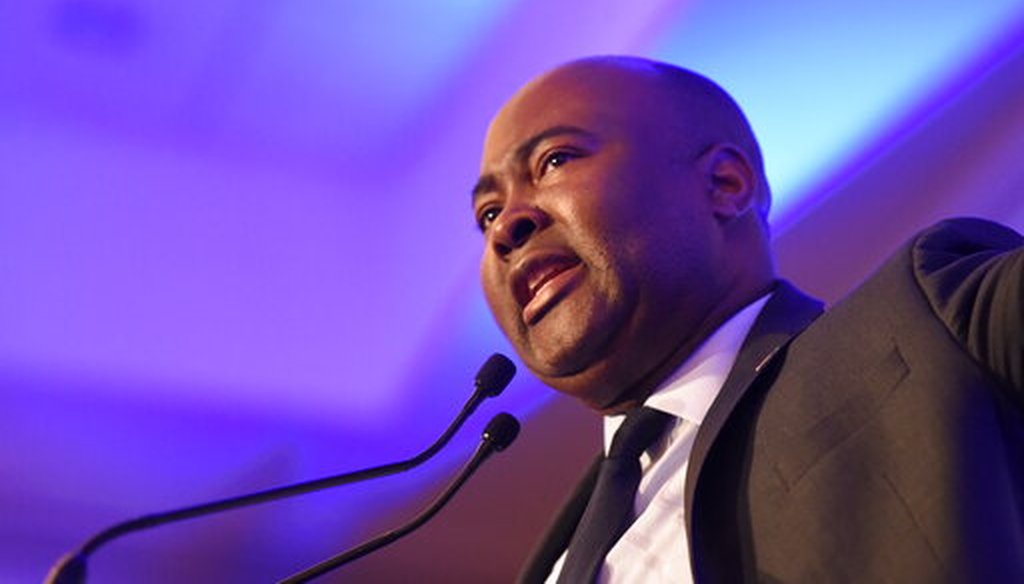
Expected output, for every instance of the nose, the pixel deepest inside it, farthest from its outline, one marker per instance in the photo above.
(514, 227)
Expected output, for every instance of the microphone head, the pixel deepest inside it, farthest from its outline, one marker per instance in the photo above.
(501, 431)
(494, 375)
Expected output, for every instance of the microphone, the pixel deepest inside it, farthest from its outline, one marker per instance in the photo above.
(492, 378)
(500, 432)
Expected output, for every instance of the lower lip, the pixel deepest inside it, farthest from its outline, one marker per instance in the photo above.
(550, 293)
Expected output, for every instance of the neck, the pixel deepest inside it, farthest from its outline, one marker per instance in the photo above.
(638, 394)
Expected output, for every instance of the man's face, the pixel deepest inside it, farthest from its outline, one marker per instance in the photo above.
(600, 242)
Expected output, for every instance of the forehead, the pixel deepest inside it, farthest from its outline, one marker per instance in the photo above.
(594, 99)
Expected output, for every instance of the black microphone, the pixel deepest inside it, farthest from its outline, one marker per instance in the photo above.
(500, 432)
(494, 375)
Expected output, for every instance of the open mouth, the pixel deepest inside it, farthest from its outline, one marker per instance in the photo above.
(542, 282)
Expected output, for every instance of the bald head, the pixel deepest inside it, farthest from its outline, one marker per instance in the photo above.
(622, 203)
(694, 109)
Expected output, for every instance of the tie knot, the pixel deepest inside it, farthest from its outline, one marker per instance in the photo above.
(638, 431)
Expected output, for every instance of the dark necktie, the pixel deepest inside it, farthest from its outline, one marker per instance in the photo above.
(610, 509)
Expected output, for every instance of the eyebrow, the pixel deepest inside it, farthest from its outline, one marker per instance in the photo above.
(489, 183)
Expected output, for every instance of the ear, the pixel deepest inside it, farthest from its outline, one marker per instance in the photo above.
(731, 180)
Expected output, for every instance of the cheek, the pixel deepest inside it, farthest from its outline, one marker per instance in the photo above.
(488, 281)
(497, 295)
(614, 210)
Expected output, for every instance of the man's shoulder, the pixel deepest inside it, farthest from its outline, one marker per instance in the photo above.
(968, 275)
(940, 259)
(938, 272)
(954, 260)
(955, 240)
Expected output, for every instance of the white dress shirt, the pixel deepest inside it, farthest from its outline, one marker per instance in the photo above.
(655, 547)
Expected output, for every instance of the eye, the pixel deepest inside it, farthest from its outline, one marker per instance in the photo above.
(555, 159)
(486, 215)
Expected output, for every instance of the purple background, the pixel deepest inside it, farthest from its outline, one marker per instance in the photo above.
(236, 248)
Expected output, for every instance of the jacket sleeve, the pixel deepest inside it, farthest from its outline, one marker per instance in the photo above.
(972, 272)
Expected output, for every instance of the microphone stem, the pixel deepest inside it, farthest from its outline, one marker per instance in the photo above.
(485, 449)
(492, 378)
(155, 519)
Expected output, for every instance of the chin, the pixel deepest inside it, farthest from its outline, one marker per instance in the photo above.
(580, 362)
(592, 383)
(556, 360)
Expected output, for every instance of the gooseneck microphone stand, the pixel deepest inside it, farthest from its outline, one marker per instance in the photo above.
(499, 434)
(491, 380)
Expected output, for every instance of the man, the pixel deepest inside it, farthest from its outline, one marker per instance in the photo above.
(623, 204)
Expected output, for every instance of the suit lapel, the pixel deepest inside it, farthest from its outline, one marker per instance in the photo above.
(786, 314)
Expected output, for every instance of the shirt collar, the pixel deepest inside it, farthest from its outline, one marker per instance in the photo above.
(691, 389)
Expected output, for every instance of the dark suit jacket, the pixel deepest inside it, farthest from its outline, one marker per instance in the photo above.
(882, 441)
